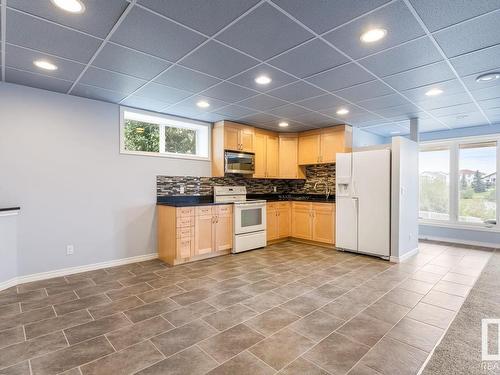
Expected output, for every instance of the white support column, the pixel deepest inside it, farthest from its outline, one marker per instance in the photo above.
(414, 131)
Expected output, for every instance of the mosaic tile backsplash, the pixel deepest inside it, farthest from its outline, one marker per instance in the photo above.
(170, 185)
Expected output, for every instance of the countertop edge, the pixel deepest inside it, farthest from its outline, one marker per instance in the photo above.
(7, 209)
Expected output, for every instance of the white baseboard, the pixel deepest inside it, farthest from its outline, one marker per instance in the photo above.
(405, 256)
(71, 270)
(458, 241)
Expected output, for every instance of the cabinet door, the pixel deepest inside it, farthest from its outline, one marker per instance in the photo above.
(223, 232)
(284, 220)
(231, 138)
(332, 141)
(309, 149)
(184, 247)
(288, 164)
(203, 231)
(272, 147)
(247, 139)
(260, 155)
(301, 221)
(271, 221)
(323, 222)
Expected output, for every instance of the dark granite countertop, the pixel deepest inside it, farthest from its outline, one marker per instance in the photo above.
(203, 200)
(3, 209)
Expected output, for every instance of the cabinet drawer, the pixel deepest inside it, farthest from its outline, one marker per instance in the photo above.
(225, 210)
(204, 210)
(302, 205)
(184, 232)
(185, 211)
(187, 221)
(184, 247)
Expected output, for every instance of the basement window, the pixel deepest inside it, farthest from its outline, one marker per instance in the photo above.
(153, 134)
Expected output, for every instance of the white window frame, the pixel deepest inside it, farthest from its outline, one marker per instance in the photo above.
(173, 121)
(453, 146)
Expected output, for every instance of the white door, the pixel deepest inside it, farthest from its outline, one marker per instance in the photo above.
(371, 185)
(346, 223)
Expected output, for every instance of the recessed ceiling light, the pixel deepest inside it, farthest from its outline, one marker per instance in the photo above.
(283, 124)
(263, 80)
(373, 35)
(488, 77)
(72, 6)
(342, 111)
(44, 64)
(434, 92)
(203, 104)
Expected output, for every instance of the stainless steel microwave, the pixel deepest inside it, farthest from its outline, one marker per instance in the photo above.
(239, 162)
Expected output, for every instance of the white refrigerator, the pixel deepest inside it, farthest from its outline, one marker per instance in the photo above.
(363, 202)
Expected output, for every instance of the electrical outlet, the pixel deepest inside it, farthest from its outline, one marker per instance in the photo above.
(70, 250)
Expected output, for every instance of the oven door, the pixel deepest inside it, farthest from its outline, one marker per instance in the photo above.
(249, 217)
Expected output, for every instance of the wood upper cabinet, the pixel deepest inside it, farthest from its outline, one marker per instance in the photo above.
(321, 146)
(266, 154)
(288, 166)
(309, 147)
(238, 137)
(323, 222)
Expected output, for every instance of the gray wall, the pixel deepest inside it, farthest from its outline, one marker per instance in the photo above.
(60, 161)
(362, 138)
(8, 247)
(404, 202)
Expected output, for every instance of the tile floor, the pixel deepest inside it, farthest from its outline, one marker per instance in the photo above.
(289, 309)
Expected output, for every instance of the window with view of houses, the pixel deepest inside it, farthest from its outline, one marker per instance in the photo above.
(458, 182)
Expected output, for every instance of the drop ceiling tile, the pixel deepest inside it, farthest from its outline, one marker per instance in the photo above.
(298, 61)
(190, 103)
(443, 13)
(471, 119)
(144, 103)
(111, 81)
(261, 118)
(157, 36)
(399, 112)
(296, 91)
(36, 80)
(321, 15)
(455, 110)
(32, 33)
(444, 100)
(470, 36)
(21, 58)
(365, 91)
(386, 101)
(315, 119)
(354, 112)
(388, 130)
(234, 111)
(98, 19)
(431, 125)
(478, 61)
(493, 115)
(262, 102)
(486, 93)
(396, 18)
(192, 113)
(228, 92)
(264, 33)
(490, 104)
(247, 78)
(123, 60)
(421, 76)
(411, 55)
(288, 111)
(162, 93)
(97, 93)
(449, 87)
(186, 79)
(217, 60)
(207, 17)
(323, 102)
(341, 77)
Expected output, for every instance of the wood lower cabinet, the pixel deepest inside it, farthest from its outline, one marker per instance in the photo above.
(314, 221)
(191, 233)
(278, 220)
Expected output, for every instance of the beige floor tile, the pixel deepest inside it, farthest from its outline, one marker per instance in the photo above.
(151, 309)
(387, 311)
(189, 313)
(80, 304)
(114, 307)
(344, 308)
(95, 328)
(11, 336)
(444, 300)
(302, 366)
(452, 288)
(46, 326)
(365, 329)
(416, 286)
(433, 315)
(264, 301)
(403, 297)
(243, 364)
(271, 321)
(229, 317)
(317, 325)
(420, 335)
(26, 317)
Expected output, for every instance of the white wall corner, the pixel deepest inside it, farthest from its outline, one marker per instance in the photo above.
(405, 256)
